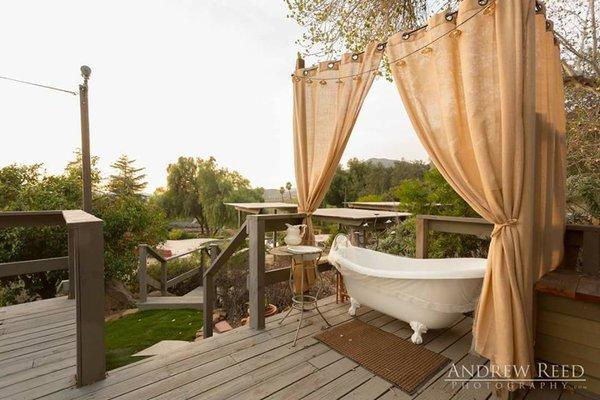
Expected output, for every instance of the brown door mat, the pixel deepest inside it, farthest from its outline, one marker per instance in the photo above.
(399, 361)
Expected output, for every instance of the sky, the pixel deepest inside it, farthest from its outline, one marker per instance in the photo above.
(169, 78)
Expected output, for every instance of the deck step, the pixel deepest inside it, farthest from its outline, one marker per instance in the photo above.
(172, 303)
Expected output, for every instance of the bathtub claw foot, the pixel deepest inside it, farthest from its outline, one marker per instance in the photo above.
(354, 305)
(419, 329)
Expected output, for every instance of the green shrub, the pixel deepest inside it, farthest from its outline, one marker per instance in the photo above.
(180, 234)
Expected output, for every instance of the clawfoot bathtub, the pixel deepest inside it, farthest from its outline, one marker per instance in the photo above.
(426, 293)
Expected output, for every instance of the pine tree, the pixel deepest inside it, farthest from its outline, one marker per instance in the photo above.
(129, 180)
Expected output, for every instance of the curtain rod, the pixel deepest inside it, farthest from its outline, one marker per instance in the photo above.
(38, 85)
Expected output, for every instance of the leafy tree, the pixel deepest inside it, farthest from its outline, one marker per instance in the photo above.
(371, 178)
(129, 180)
(281, 192)
(199, 188)
(128, 221)
(288, 187)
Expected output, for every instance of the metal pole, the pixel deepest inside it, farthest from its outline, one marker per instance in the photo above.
(85, 140)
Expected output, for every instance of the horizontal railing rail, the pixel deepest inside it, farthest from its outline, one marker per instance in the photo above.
(582, 242)
(85, 263)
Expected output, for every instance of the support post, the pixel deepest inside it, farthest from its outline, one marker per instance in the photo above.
(422, 233)
(71, 253)
(591, 252)
(163, 278)
(85, 140)
(89, 294)
(208, 287)
(142, 273)
(256, 277)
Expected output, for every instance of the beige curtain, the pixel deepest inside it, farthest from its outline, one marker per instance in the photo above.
(327, 100)
(550, 150)
(468, 84)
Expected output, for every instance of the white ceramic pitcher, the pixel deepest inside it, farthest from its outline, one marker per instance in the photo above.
(294, 234)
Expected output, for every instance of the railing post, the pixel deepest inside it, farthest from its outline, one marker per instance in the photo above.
(422, 233)
(590, 248)
(163, 278)
(208, 288)
(256, 277)
(142, 272)
(71, 253)
(89, 295)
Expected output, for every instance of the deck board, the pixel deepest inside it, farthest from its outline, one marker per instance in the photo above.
(37, 360)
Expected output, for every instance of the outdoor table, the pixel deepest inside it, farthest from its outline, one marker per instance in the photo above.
(302, 302)
(360, 219)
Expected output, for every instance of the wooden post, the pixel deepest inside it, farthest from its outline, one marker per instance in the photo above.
(71, 252)
(208, 288)
(422, 226)
(142, 274)
(163, 278)
(590, 252)
(89, 294)
(256, 276)
(85, 140)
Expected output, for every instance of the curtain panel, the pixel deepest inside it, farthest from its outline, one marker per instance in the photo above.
(469, 82)
(327, 100)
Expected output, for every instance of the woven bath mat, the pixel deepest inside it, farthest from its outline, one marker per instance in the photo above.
(399, 361)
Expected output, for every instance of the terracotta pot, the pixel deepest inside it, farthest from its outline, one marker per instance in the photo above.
(270, 310)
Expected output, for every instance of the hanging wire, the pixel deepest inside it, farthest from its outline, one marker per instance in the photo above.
(39, 85)
(486, 7)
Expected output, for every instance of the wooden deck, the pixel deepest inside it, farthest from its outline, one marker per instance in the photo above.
(37, 360)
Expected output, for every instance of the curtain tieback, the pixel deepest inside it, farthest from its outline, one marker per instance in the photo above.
(499, 227)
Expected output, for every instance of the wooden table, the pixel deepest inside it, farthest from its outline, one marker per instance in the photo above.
(262, 208)
(360, 220)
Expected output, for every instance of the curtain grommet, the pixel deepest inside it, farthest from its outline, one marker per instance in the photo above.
(296, 78)
(427, 50)
(354, 57)
(482, 2)
(356, 78)
(538, 7)
(455, 33)
(381, 46)
(406, 36)
(400, 63)
(449, 17)
(322, 82)
(330, 65)
(305, 72)
(309, 81)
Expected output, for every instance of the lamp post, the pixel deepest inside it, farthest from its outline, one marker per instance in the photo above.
(85, 140)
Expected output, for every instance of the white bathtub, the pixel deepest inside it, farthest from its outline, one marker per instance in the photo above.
(426, 293)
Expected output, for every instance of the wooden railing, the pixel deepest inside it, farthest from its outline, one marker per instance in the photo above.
(85, 263)
(163, 284)
(254, 229)
(582, 242)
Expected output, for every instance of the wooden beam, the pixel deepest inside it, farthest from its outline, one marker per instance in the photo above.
(422, 235)
(33, 266)
(12, 219)
(89, 292)
(208, 289)
(238, 240)
(256, 275)
(142, 273)
(188, 274)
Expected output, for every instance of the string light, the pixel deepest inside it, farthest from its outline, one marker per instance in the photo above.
(425, 49)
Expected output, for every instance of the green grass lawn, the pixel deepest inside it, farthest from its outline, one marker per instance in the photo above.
(135, 332)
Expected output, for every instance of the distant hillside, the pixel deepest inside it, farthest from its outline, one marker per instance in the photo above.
(385, 162)
(273, 195)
